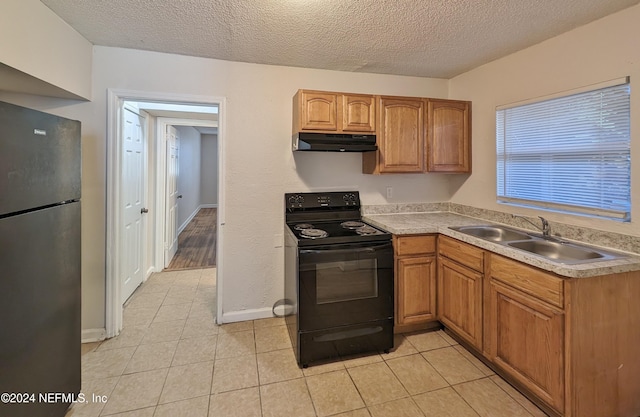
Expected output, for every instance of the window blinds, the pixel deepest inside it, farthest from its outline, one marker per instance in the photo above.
(569, 153)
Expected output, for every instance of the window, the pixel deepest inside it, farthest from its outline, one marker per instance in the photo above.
(569, 153)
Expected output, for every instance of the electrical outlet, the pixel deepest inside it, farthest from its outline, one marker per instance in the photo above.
(389, 192)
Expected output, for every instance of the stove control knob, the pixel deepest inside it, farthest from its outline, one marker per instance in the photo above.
(296, 200)
(349, 198)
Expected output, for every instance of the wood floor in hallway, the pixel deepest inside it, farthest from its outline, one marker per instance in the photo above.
(197, 242)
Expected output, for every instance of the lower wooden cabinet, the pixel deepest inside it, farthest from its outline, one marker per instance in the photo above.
(460, 300)
(527, 341)
(415, 289)
(569, 344)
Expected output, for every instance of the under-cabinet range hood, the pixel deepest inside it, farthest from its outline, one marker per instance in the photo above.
(333, 142)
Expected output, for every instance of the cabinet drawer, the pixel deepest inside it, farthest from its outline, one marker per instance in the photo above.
(544, 286)
(462, 253)
(414, 245)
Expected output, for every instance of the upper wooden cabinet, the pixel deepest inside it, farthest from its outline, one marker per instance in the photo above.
(321, 111)
(414, 134)
(448, 136)
(358, 113)
(418, 135)
(401, 135)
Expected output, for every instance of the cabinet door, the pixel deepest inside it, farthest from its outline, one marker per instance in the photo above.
(358, 113)
(448, 138)
(527, 342)
(401, 135)
(319, 111)
(416, 291)
(460, 300)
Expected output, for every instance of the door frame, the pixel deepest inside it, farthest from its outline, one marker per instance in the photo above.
(115, 101)
(161, 175)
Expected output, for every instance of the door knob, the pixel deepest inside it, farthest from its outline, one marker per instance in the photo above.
(144, 210)
(180, 196)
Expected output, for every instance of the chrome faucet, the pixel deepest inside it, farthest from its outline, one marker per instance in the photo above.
(546, 229)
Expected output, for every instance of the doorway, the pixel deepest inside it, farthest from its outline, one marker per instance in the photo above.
(165, 110)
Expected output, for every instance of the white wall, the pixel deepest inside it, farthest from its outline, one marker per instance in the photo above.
(259, 164)
(209, 170)
(603, 50)
(36, 42)
(189, 174)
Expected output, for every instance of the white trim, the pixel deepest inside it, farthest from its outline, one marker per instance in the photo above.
(161, 178)
(244, 315)
(186, 222)
(222, 201)
(208, 206)
(113, 314)
(584, 89)
(115, 98)
(93, 335)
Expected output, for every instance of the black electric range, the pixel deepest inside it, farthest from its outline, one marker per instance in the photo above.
(338, 278)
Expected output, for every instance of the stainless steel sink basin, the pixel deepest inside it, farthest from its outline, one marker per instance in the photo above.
(560, 252)
(549, 248)
(493, 233)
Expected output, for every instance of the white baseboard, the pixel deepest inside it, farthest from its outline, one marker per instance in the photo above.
(244, 315)
(150, 271)
(93, 335)
(208, 206)
(186, 222)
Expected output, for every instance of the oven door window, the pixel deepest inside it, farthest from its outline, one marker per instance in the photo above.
(344, 284)
(346, 281)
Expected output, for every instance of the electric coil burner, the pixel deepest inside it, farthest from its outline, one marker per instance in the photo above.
(338, 278)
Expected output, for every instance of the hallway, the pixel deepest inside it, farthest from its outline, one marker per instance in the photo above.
(197, 242)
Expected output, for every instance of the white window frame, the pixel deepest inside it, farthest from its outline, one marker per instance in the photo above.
(517, 146)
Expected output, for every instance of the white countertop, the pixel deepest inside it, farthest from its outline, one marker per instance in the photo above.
(440, 222)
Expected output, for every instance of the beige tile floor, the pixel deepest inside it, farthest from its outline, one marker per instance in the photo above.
(172, 360)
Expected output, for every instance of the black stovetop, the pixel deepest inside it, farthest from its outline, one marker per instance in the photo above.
(329, 218)
(311, 233)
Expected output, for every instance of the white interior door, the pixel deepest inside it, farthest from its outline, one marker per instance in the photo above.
(173, 170)
(133, 193)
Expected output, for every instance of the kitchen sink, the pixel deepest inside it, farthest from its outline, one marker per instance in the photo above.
(546, 247)
(493, 233)
(560, 252)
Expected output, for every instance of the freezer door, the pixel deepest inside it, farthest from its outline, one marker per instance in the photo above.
(40, 159)
(40, 309)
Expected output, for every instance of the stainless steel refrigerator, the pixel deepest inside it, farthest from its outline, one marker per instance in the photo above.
(39, 262)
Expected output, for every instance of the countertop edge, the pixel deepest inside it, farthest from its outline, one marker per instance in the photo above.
(440, 222)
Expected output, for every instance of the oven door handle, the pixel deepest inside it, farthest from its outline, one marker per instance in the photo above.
(353, 249)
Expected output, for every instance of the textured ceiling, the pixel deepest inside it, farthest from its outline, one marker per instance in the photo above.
(426, 38)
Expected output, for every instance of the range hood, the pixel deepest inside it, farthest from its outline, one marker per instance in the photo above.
(333, 142)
